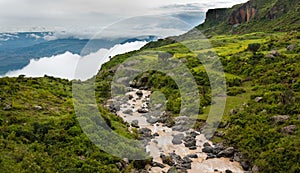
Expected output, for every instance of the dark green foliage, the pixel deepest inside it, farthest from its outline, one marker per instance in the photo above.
(253, 47)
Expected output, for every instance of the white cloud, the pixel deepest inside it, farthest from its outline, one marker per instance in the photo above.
(16, 14)
(65, 65)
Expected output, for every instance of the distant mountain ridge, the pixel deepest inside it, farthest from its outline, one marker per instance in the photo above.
(254, 15)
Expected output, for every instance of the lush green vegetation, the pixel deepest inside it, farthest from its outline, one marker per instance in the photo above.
(40, 133)
(256, 65)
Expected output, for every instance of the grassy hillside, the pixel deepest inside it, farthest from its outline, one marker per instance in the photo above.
(263, 86)
(40, 133)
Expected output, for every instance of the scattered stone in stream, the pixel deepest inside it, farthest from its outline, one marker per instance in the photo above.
(114, 107)
(177, 170)
(167, 160)
(152, 120)
(135, 123)
(245, 165)
(156, 164)
(139, 93)
(189, 141)
(177, 139)
(208, 149)
(192, 156)
(145, 132)
(228, 152)
(143, 110)
(128, 111)
(130, 97)
(210, 156)
(155, 134)
(206, 144)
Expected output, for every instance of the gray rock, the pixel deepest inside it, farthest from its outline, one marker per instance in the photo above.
(291, 47)
(143, 110)
(128, 111)
(233, 112)
(275, 53)
(145, 132)
(255, 169)
(167, 160)
(258, 99)
(288, 129)
(7, 107)
(135, 123)
(189, 141)
(186, 160)
(177, 139)
(152, 120)
(156, 164)
(187, 165)
(192, 155)
(208, 149)
(245, 165)
(280, 118)
(139, 93)
(38, 107)
(206, 144)
(228, 152)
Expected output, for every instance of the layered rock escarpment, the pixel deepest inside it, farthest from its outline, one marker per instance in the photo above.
(243, 14)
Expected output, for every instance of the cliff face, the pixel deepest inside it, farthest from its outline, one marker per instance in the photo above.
(216, 15)
(259, 15)
(243, 14)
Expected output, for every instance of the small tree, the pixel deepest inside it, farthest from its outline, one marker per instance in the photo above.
(253, 47)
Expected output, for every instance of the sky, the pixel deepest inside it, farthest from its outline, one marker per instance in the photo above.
(85, 15)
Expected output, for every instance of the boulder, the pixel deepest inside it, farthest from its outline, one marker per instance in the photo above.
(228, 152)
(208, 149)
(128, 111)
(233, 112)
(130, 96)
(139, 93)
(186, 160)
(156, 164)
(145, 132)
(288, 129)
(187, 165)
(291, 47)
(192, 156)
(135, 123)
(258, 99)
(245, 165)
(152, 120)
(167, 160)
(255, 169)
(189, 141)
(143, 110)
(280, 118)
(206, 144)
(176, 141)
(275, 53)
(210, 156)
(38, 107)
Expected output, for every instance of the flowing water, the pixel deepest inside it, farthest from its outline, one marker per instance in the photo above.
(163, 143)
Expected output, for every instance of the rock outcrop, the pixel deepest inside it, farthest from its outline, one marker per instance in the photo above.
(244, 13)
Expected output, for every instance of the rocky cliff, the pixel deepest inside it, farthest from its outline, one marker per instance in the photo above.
(243, 14)
(254, 15)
